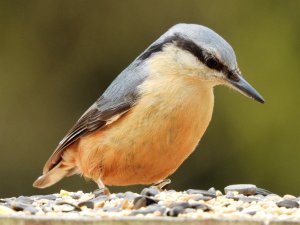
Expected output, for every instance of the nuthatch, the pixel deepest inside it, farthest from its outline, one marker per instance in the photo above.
(152, 116)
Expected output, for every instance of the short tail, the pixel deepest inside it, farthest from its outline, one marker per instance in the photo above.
(51, 177)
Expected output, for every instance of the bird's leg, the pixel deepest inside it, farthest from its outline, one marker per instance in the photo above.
(161, 185)
(102, 189)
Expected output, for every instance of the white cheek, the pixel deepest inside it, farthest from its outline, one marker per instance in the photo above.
(173, 60)
(217, 74)
(186, 59)
(189, 61)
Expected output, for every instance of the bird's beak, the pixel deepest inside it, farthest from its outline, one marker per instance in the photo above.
(240, 84)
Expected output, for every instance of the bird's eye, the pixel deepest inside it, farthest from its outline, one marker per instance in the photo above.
(212, 63)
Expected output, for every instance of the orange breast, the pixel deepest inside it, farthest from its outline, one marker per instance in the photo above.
(152, 140)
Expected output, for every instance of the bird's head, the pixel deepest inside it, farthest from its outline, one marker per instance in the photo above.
(199, 51)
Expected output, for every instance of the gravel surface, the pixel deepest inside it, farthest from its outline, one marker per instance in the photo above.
(237, 202)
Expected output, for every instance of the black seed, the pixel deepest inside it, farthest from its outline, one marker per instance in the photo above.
(88, 204)
(245, 189)
(288, 204)
(143, 201)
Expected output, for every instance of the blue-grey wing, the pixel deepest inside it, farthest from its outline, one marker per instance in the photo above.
(118, 99)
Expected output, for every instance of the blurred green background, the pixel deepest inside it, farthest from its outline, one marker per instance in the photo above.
(57, 57)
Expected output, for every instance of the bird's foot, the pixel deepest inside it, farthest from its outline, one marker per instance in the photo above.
(161, 185)
(102, 189)
(156, 188)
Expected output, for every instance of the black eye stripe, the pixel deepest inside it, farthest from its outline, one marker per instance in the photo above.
(214, 64)
(191, 47)
(188, 45)
(232, 76)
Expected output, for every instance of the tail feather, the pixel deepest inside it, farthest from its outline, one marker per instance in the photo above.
(51, 177)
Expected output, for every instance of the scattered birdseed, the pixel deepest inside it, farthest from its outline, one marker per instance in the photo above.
(151, 191)
(143, 201)
(245, 189)
(287, 203)
(239, 202)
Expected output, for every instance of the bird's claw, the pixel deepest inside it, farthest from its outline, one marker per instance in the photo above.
(161, 185)
(102, 191)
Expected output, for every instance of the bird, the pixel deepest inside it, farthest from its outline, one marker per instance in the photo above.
(153, 114)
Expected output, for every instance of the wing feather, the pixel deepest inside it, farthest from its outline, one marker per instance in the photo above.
(118, 98)
(94, 118)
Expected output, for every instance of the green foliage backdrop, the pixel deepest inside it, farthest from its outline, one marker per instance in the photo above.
(57, 57)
